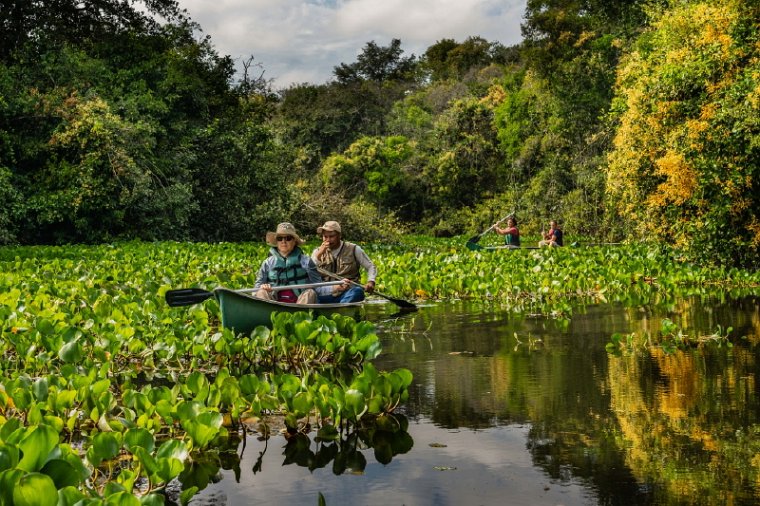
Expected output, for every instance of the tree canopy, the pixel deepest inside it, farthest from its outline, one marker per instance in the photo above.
(623, 119)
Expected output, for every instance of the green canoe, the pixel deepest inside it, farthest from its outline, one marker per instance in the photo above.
(243, 312)
(473, 246)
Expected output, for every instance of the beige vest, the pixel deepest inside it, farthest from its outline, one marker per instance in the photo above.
(344, 265)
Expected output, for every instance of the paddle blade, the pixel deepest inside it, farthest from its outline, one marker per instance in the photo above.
(187, 296)
(403, 304)
(473, 246)
(474, 239)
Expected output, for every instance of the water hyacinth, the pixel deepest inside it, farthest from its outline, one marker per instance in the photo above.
(107, 392)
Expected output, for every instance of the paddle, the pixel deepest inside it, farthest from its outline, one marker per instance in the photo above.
(405, 304)
(190, 296)
(474, 239)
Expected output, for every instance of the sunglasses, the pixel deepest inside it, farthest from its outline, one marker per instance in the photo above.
(287, 238)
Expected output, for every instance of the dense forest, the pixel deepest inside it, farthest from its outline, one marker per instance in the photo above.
(624, 119)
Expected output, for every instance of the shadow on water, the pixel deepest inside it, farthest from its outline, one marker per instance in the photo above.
(532, 410)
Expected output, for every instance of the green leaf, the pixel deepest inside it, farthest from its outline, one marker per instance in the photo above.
(187, 410)
(122, 498)
(169, 468)
(355, 401)
(45, 327)
(71, 352)
(69, 496)
(249, 384)
(40, 389)
(154, 500)
(173, 448)
(146, 460)
(203, 428)
(105, 446)
(302, 404)
(8, 457)
(139, 437)
(35, 489)
(62, 473)
(8, 480)
(36, 446)
(198, 385)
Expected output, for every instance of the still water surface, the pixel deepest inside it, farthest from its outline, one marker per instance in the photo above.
(535, 411)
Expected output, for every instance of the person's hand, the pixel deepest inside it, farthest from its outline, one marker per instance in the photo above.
(323, 248)
(267, 287)
(339, 289)
(369, 287)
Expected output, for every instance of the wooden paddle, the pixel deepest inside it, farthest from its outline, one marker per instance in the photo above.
(404, 304)
(190, 296)
(474, 239)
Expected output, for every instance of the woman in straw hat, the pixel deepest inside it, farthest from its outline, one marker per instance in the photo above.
(287, 265)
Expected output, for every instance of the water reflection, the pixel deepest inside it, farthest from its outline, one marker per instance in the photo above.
(343, 453)
(536, 410)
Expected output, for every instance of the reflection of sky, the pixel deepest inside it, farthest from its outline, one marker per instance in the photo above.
(302, 40)
(492, 467)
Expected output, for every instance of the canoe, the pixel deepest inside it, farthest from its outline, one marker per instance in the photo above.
(473, 246)
(243, 312)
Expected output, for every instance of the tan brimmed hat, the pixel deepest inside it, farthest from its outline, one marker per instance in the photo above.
(330, 226)
(283, 229)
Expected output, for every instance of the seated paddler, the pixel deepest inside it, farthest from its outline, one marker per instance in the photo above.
(288, 265)
(342, 260)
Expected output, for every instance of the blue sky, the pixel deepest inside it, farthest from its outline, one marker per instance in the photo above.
(299, 41)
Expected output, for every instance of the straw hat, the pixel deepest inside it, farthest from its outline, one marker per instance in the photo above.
(283, 229)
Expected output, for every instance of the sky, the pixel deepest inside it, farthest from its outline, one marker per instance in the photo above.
(300, 41)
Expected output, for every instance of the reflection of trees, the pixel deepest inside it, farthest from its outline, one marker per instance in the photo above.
(638, 430)
(690, 420)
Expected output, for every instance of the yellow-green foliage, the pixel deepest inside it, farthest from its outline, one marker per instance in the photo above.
(684, 164)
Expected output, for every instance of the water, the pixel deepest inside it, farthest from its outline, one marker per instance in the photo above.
(535, 411)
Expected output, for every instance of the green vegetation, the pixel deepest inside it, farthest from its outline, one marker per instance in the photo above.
(670, 338)
(106, 391)
(622, 119)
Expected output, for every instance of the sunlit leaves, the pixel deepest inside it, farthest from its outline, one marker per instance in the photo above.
(683, 165)
(36, 447)
(35, 489)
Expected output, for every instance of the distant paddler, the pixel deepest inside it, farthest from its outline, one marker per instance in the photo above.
(510, 232)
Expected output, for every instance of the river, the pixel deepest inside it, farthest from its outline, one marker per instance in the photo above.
(534, 410)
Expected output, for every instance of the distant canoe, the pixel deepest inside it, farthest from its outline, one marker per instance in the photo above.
(243, 312)
(473, 246)
(477, 247)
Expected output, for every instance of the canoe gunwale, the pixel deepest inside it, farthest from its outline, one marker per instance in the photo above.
(289, 305)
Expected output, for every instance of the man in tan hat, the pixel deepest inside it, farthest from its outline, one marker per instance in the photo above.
(344, 259)
(287, 264)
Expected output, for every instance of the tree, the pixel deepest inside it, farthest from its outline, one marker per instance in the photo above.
(465, 164)
(52, 23)
(378, 64)
(448, 59)
(684, 168)
(378, 170)
(105, 117)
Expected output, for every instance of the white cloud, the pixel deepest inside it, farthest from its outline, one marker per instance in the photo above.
(302, 40)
